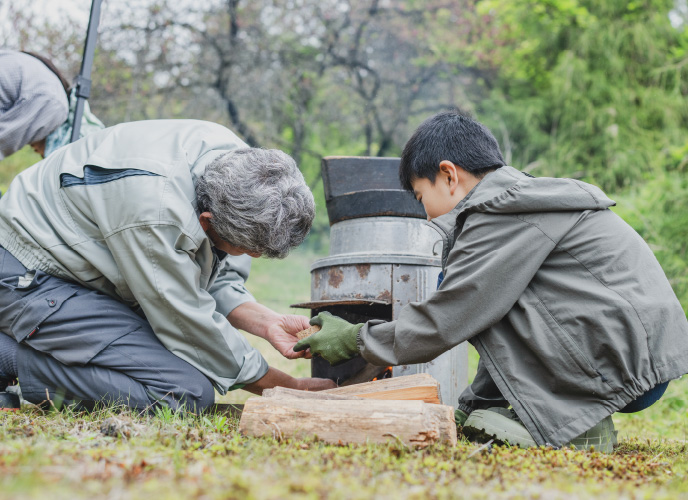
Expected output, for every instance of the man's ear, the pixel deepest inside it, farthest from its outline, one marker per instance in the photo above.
(204, 219)
(450, 174)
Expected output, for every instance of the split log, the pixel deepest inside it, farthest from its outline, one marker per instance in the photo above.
(412, 423)
(445, 414)
(285, 393)
(420, 387)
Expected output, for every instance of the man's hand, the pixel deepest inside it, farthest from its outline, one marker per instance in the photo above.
(282, 335)
(336, 342)
(278, 329)
(315, 384)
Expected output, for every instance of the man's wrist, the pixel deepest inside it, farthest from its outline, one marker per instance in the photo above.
(254, 318)
(273, 378)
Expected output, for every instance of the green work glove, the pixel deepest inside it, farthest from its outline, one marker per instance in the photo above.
(335, 342)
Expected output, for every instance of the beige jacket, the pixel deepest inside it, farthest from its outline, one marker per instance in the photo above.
(116, 212)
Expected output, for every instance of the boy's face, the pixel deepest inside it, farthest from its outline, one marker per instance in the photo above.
(434, 196)
(451, 185)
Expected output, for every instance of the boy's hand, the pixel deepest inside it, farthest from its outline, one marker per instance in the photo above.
(335, 342)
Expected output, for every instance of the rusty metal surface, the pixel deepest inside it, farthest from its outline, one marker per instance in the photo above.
(382, 257)
(320, 304)
(352, 282)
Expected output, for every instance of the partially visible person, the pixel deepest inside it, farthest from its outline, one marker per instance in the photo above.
(37, 105)
(34, 101)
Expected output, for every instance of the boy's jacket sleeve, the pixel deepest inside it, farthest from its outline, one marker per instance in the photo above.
(156, 261)
(490, 266)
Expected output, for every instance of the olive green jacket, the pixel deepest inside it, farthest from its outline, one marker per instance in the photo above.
(566, 304)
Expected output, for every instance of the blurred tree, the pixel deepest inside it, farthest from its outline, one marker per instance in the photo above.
(587, 89)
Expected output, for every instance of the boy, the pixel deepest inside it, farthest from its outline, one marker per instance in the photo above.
(567, 306)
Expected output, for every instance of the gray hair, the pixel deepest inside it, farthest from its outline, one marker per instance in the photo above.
(259, 200)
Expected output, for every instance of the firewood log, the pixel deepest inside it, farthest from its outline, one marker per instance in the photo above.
(420, 386)
(412, 423)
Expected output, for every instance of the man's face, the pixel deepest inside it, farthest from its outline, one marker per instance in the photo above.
(435, 197)
(221, 244)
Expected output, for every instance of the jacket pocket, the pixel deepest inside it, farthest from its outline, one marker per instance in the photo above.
(570, 347)
(37, 309)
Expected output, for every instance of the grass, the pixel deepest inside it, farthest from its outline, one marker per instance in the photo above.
(12, 165)
(115, 453)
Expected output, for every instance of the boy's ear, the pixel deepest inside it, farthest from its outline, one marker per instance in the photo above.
(450, 173)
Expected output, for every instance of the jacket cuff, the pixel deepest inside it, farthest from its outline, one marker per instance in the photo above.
(253, 368)
(229, 298)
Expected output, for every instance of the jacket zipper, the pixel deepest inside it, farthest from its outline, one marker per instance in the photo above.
(445, 242)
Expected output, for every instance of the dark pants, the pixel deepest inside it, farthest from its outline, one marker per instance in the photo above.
(483, 393)
(79, 345)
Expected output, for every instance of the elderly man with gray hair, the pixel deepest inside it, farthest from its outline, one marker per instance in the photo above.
(122, 266)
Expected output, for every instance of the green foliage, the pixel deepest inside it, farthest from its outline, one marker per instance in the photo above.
(12, 165)
(593, 90)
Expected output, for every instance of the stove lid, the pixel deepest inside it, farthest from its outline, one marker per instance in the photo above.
(319, 304)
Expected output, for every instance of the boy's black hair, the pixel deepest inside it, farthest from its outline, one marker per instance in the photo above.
(453, 136)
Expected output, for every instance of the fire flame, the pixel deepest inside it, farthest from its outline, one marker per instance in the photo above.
(385, 374)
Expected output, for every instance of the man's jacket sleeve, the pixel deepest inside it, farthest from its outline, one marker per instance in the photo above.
(157, 262)
(491, 264)
(228, 290)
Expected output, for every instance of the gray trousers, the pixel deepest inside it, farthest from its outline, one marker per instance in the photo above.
(482, 393)
(79, 345)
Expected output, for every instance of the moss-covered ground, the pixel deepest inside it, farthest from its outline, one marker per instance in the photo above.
(112, 454)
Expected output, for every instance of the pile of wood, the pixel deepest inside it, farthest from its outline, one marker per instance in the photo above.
(404, 409)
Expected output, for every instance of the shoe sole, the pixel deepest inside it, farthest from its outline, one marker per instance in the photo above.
(602, 438)
(483, 425)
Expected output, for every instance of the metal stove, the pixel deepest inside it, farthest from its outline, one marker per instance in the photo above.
(382, 256)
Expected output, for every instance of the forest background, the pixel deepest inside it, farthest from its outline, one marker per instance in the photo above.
(594, 90)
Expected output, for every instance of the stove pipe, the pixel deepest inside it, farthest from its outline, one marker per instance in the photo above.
(382, 256)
